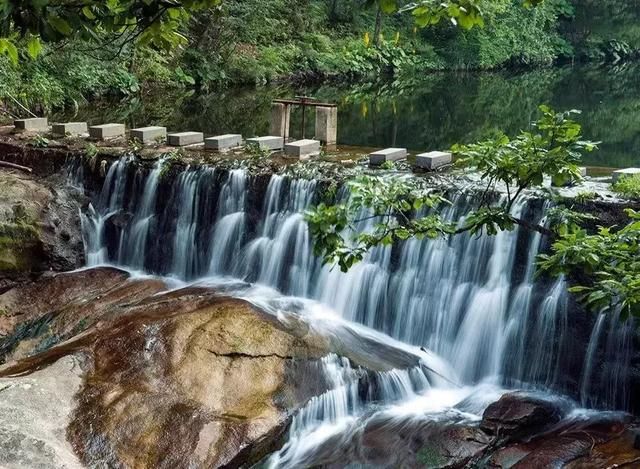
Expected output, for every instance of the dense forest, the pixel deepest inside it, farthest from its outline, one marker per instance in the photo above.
(251, 42)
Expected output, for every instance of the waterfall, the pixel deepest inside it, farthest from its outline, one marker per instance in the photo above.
(332, 415)
(474, 301)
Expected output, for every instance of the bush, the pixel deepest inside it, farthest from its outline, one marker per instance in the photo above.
(628, 187)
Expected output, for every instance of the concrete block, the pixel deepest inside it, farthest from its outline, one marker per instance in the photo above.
(32, 124)
(433, 160)
(106, 131)
(621, 173)
(182, 139)
(223, 142)
(280, 119)
(302, 148)
(149, 134)
(69, 128)
(327, 125)
(268, 143)
(388, 154)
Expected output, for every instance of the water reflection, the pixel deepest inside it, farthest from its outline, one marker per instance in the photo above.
(430, 112)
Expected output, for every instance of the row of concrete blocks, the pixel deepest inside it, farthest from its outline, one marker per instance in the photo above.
(300, 148)
(430, 161)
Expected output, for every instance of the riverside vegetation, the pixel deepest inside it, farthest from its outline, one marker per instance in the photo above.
(209, 45)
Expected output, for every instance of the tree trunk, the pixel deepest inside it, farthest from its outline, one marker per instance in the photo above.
(378, 28)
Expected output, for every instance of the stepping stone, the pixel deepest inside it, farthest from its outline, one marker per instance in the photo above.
(105, 131)
(621, 173)
(433, 160)
(69, 128)
(223, 142)
(32, 124)
(182, 139)
(149, 134)
(388, 154)
(302, 148)
(267, 143)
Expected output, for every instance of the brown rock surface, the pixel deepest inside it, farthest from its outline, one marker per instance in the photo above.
(184, 378)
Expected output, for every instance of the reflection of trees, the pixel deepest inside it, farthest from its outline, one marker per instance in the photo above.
(431, 112)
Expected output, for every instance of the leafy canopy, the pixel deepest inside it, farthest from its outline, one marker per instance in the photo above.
(149, 22)
(465, 13)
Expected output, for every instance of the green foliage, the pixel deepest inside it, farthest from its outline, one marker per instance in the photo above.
(552, 149)
(390, 203)
(628, 186)
(38, 141)
(150, 22)
(608, 261)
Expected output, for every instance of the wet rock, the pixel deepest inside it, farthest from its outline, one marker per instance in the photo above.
(39, 227)
(185, 378)
(37, 316)
(520, 414)
(423, 443)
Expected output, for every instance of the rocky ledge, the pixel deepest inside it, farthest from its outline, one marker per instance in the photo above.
(39, 227)
(145, 377)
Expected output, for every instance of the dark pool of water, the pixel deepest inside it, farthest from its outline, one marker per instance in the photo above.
(432, 112)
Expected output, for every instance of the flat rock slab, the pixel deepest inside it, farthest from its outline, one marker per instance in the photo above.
(182, 139)
(622, 173)
(34, 123)
(69, 128)
(106, 131)
(433, 160)
(149, 134)
(267, 143)
(388, 154)
(223, 142)
(35, 411)
(302, 148)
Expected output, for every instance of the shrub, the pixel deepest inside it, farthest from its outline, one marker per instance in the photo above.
(628, 187)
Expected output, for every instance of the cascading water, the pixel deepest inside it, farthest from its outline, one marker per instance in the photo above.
(467, 299)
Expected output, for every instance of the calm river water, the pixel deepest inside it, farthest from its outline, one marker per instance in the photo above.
(431, 112)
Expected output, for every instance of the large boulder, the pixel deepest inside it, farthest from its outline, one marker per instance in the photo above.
(181, 378)
(520, 413)
(40, 228)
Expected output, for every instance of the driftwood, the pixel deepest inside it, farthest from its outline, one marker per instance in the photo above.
(6, 164)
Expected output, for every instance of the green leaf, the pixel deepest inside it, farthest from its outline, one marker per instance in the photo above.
(34, 47)
(9, 49)
(60, 25)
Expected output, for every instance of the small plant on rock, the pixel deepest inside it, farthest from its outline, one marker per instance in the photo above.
(38, 141)
(628, 187)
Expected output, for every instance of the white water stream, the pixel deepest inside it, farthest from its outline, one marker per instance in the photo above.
(465, 306)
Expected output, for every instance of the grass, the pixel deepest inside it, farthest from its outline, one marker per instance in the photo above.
(628, 187)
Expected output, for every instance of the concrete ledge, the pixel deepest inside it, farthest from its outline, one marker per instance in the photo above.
(267, 143)
(303, 148)
(149, 134)
(32, 124)
(627, 172)
(69, 128)
(223, 142)
(182, 139)
(388, 154)
(433, 160)
(106, 131)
